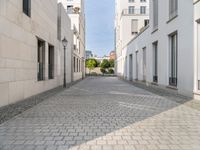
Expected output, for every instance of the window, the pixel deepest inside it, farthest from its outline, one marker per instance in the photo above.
(131, 9)
(173, 60)
(77, 65)
(41, 60)
(155, 14)
(198, 52)
(173, 7)
(137, 65)
(74, 64)
(155, 62)
(144, 64)
(142, 0)
(134, 26)
(51, 62)
(146, 22)
(143, 10)
(131, 1)
(27, 7)
(70, 9)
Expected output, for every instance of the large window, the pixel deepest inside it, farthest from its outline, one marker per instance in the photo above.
(143, 10)
(155, 14)
(198, 53)
(131, 10)
(173, 8)
(27, 7)
(144, 64)
(51, 62)
(134, 26)
(155, 62)
(74, 64)
(137, 65)
(173, 59)
(41, 60)
(77, 65)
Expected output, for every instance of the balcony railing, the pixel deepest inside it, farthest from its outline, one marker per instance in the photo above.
(135, 12)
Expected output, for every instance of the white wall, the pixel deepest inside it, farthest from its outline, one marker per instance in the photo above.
(196, 47)
(184, 28)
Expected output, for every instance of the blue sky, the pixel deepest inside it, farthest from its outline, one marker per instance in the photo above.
(100, 26)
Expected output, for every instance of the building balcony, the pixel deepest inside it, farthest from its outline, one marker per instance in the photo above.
(131, 12)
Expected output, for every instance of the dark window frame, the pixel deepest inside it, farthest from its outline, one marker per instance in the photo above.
(41, 60)
(51, 61)
(173, 56)
(26, 7)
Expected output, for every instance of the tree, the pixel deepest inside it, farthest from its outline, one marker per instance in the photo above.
(91, 64)
(112, 63)
(105, 64)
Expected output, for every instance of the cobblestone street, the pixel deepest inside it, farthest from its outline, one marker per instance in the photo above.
(105, 114)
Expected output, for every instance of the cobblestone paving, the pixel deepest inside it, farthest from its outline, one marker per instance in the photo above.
(105, 114)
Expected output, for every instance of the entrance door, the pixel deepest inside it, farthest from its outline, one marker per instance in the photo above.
(130, 67)
(137, 63)
(144, 64)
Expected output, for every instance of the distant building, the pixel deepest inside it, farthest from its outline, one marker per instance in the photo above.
(76, 11)
(112, 55)
(131, 17)
(88, 54)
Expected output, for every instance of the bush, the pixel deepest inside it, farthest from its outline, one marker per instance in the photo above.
(112, 63)
(111, 71)
(103, 70)
(105, 64)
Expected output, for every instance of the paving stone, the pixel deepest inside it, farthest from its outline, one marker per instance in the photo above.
(106, 114)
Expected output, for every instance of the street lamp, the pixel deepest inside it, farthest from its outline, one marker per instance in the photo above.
(64, 42)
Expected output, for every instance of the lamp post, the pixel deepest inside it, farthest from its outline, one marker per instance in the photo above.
(64, 42)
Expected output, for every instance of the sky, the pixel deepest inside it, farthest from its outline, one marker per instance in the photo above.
(100, 26)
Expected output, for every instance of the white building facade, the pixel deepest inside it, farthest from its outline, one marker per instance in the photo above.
(31, 54)
(197, 48)
(130, 17)
(165, 52)
(75, 10)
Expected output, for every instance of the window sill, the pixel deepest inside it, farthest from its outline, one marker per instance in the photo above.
(172, 18)
(172, 87)
(154, 83)
(154, 30)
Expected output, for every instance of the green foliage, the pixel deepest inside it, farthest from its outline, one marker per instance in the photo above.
(112, 63)
(98, 63)
(105, 64)
(103, 70)
(91, 64)
(111, 71)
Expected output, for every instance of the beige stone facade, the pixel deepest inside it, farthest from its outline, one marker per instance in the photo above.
(20, 35)
(75, 10)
